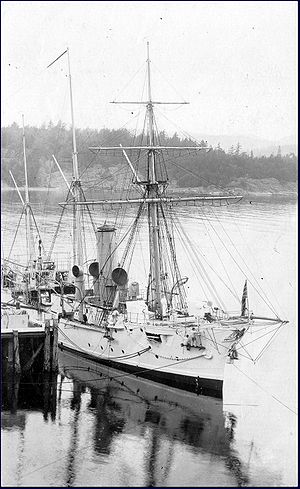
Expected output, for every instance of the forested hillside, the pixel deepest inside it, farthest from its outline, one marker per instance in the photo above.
(215, 167)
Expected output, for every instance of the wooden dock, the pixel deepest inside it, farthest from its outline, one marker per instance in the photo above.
(30, 348)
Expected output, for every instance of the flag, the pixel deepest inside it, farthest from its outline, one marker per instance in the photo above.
(52, 63)
(244, 309)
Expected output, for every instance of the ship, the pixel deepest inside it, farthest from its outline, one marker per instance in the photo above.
(148, 333)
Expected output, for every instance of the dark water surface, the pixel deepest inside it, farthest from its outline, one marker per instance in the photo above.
(89, 426)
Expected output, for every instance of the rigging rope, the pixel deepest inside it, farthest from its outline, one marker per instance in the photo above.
(191, 259)
(204, 275)
(57, 230)
(234, 292)
(16, 232)
(266, 300)
(37, 229)
(262, 388)
(253, 256)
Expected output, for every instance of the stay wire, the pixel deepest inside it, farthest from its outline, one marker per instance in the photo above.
(168, 82)
(262, 336)
(253, 257)
(264, 390)
(268, 343)
(191, 259)
(234, 292)
(37, 229)
(16, 233)
(111, 141)
(239, 267)
(186, 134)
(129, 81)
(266, 300)
(199, 177)
(57, 228)
(204, 274)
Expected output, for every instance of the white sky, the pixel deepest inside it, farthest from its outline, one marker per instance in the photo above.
(235, 62)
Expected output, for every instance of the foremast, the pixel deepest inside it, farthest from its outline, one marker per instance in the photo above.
(76, 195)
(27, 209)
(76, 186)
(28, 225)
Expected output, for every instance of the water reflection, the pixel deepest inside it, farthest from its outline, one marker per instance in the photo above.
(130, 432)
(109, 428)
(75, 406)
(162, 417)
(29, 391)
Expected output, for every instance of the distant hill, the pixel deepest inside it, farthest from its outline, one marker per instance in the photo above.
(257, 145)
(228, 163)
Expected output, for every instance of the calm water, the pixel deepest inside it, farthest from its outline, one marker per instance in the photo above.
(93, 427)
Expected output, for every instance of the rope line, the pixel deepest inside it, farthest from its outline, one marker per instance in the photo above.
(264, 390)
(266, 300)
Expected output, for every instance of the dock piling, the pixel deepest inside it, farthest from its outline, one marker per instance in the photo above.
(47, 346)
(34, 349)
(54, 363)
(16, 353)
(10, 354)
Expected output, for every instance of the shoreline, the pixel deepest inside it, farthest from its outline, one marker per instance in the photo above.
(247, 188)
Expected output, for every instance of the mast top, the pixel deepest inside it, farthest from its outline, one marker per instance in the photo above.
(25, 164)
(75, 160)
(149, 81)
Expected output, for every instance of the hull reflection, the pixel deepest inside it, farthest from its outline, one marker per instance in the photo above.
(160, 416)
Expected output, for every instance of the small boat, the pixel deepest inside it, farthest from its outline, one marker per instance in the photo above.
(150, 333)
(27, 288)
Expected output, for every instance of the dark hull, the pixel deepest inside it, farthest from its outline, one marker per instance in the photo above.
(198, 385)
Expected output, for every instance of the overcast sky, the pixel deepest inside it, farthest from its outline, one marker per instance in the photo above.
(235, 62)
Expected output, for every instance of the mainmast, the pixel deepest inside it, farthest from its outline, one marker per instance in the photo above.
(27, 210)
(77, 224)
(152, 192)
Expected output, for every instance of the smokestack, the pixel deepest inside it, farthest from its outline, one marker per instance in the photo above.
(94, 271)
(106, 245)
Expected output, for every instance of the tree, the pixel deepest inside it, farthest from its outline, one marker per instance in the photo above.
(237, 149)
(279, 152)
(193, 168)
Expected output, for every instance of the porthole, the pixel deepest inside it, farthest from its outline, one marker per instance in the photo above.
(101, 347)
(89, 344)
(112, 349)
(123, 351)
